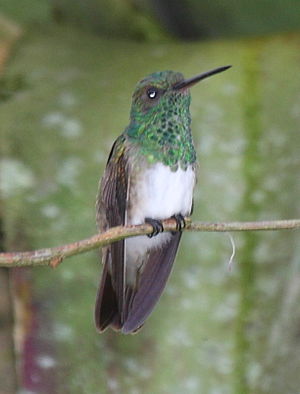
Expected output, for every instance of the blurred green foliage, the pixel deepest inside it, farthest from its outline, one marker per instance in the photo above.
(118, 18)
(27, 11)
(11, 85)
(206, 18)
(64, 98)
(212, 332)
(151, 20)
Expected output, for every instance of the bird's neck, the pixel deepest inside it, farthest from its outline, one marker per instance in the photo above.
(164, 139)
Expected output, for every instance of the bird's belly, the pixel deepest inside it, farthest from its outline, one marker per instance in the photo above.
(158, 193)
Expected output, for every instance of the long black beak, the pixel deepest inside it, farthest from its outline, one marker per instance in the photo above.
(187, 83)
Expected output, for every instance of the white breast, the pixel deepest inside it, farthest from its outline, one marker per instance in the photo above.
(161, 193)
(158, 193)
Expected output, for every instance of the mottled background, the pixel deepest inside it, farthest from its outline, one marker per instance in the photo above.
(68, 69)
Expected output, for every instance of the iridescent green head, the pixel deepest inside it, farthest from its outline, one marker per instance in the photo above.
(155, 97)
(160, 117)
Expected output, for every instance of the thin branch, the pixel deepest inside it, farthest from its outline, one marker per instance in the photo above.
(54, 256)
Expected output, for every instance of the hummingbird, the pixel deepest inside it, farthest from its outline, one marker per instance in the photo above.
(149, 176)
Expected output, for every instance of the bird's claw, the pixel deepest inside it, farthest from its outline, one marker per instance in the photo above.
(157, 226)
(180, 222)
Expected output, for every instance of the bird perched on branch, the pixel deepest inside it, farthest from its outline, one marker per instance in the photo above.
(149, 176)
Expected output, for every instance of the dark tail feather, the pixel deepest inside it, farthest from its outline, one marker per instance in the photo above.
(151, 285)
(106, 310)
(130, 315)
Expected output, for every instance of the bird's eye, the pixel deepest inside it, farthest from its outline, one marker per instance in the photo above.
(152, 93)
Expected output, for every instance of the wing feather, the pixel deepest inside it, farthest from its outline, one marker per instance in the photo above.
(111, 211)
(151, 284)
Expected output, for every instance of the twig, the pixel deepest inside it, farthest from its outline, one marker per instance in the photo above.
(54, 256)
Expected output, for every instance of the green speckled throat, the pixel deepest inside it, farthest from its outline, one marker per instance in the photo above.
(160, 120)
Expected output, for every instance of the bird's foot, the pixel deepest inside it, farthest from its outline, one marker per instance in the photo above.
(157, 226)
(180, 222)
